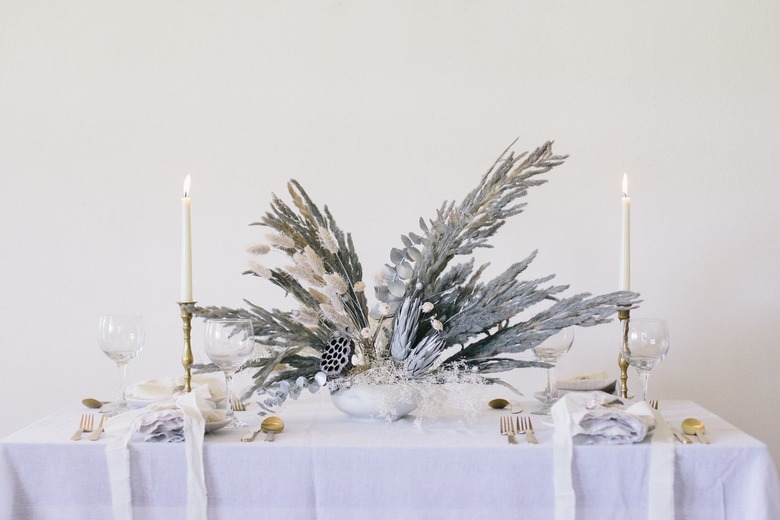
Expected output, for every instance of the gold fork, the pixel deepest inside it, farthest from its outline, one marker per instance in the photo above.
(85, 425)
(508, 429)
(236, 404)
(524, 425)
(653, 404)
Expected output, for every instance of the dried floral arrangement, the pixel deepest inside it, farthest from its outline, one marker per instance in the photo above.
(434, 320)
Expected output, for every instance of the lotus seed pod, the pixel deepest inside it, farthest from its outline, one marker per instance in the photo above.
(337, 357)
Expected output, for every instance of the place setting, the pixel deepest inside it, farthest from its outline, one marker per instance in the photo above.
(150, 407)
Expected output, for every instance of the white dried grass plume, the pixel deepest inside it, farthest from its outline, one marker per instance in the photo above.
(315, 261)
(307, 317)
(280, 241)
(302, 272)
(334, 299)
(318, 295)
(427, 307)
(259, 250)
(327, 239)
(260, 270)
(437, 325)
(334, 282)
(359, 287)
(336, 317)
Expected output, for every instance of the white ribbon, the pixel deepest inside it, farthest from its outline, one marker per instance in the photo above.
(563, 451)
(194, 429)
(661, 488)
(119, 431)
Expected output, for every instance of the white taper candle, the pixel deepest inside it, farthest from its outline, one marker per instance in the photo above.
(186, 245)
(625, 238)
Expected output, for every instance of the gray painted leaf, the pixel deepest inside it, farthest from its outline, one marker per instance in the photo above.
(396, 256)
(413, 254)
(405, 270)
(397, 288)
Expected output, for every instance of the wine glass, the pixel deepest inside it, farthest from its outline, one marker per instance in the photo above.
(121, 337)
(647, 343)
(550, 351)
(229, 343)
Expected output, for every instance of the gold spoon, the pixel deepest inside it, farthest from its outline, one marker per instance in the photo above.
(498, 404)
(695, 427)
(270, 426)
(92, 403)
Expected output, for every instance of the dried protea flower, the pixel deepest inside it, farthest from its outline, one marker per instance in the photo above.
(405, 328)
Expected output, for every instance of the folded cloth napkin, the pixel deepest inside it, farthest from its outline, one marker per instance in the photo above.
(587, 382)
(601, 418)
(164, 388)
(163, 421)
(163, 424)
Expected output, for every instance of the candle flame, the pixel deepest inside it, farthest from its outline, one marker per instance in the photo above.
(187, 187)
(625, 185)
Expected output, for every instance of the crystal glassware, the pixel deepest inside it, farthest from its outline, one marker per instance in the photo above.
(229, 344)
(121, 337)
(647, 343)
(550, 351)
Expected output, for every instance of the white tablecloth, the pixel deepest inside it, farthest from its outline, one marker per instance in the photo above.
(328, 466)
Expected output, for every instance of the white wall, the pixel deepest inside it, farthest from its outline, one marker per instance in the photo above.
(382, 110)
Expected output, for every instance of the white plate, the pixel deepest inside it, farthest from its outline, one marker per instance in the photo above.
(587, 385)
(216, 425)
(140, 403)
(543, 394)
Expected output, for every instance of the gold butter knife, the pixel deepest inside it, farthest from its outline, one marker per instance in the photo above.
(96, 434)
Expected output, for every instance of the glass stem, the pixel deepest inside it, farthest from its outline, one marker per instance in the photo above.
(122, 383)
(643, 375)
(229, 396)
(552, 385)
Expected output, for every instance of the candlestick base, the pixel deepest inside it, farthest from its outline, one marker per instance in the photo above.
(186, 357)
(623, 315)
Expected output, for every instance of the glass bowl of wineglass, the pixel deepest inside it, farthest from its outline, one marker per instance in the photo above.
(229, 344)
(121, 337)
(550, 351)
(646, 345)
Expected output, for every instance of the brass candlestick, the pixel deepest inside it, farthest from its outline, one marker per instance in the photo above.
(186, 357)
(622, 363)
